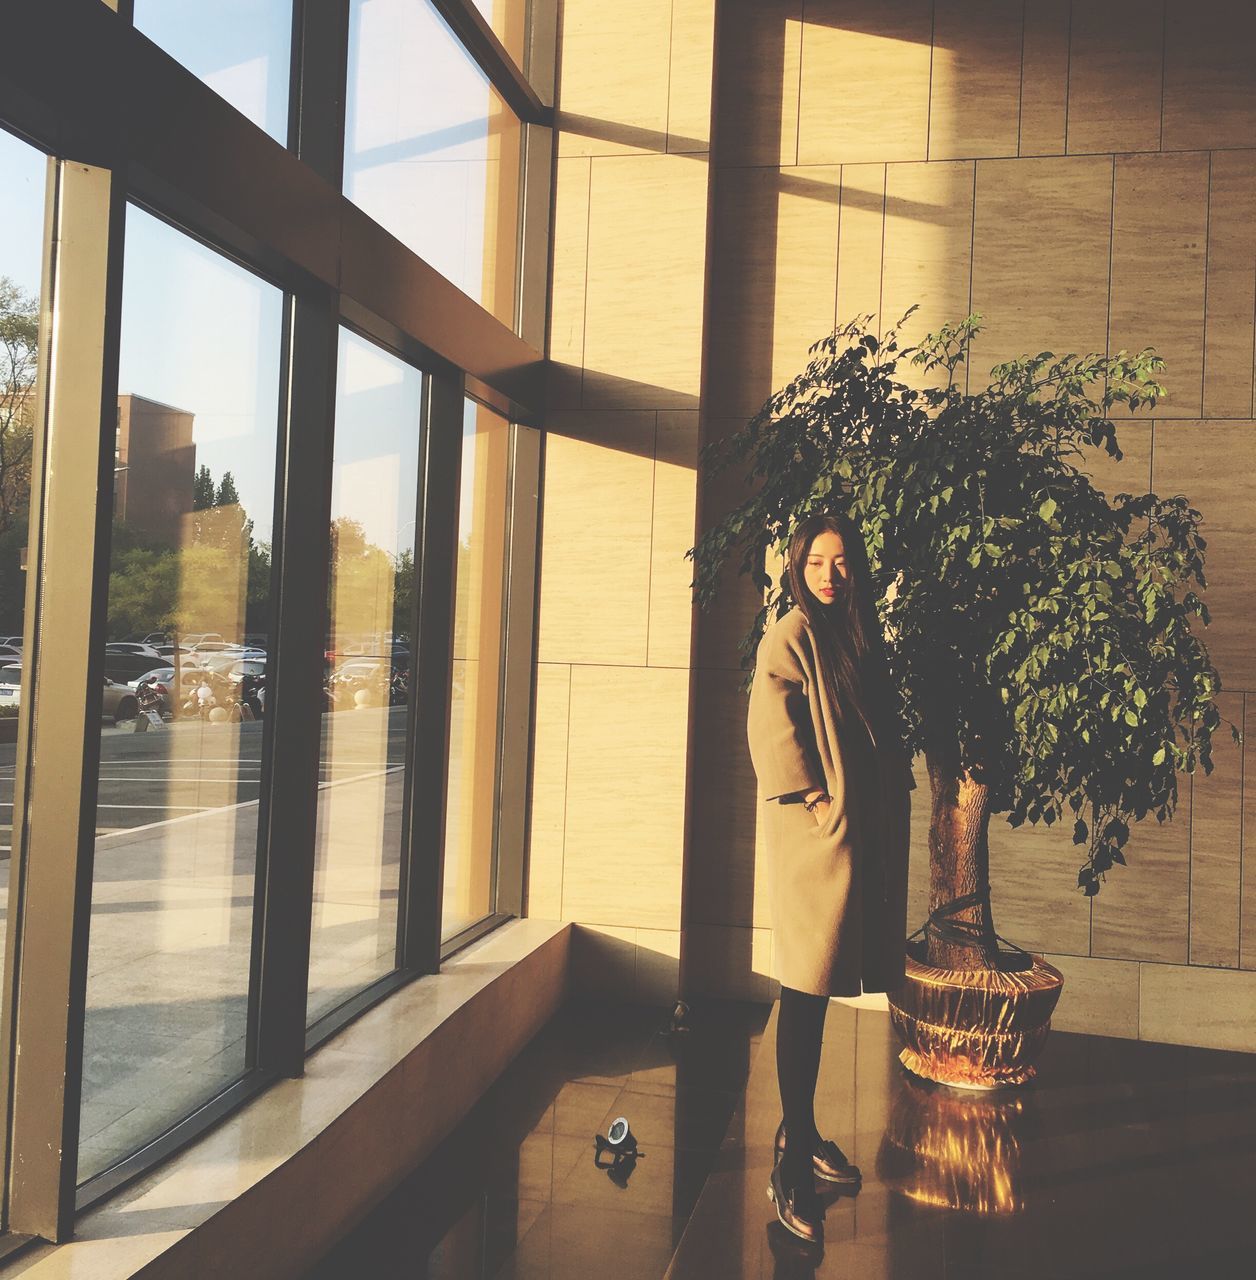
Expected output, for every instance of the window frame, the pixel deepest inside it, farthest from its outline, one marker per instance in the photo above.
(280, 214)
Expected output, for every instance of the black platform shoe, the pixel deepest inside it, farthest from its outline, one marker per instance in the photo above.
(798, 1208)
(827, 1159)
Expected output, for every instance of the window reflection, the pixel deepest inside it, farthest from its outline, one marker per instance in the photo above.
(371, 596)
(182, 746)
(21, 240)
(471, 803)
(240, 48)
(432, 152)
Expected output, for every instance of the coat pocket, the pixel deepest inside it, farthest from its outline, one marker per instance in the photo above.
(824, 830)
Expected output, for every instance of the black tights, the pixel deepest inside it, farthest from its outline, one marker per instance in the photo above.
(799, 1032)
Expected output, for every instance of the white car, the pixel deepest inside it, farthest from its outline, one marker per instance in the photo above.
(11, 685)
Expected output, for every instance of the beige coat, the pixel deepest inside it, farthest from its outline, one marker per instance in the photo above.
(838, 888)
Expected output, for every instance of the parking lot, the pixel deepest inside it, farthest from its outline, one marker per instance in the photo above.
(190, 768)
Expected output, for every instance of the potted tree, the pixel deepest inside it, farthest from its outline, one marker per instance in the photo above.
(1039, 635)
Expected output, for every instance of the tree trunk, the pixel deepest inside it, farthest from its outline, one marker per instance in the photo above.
(959, 861)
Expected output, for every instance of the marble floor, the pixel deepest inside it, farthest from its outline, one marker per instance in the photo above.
(515, 1191)
(1123, 1159)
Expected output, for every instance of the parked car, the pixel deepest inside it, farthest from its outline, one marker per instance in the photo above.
(386, 682)
(250, 666)
(130, 646)
(163, 672)
(14, 642)
(119, 701)
(10, 653)
(11, 685)
(125, 666)
(167, 650)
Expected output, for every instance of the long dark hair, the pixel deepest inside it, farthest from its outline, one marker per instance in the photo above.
(848, 640)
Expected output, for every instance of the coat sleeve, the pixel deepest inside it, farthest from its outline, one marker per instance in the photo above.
(778, 723)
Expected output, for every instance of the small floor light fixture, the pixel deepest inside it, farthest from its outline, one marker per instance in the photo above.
(620, 1145)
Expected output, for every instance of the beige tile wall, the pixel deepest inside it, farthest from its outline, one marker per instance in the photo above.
(615, 625)
(1084, 175)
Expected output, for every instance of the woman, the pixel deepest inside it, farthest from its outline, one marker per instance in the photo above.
(827, 752)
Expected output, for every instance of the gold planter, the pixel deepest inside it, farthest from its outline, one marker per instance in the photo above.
(974, 1028)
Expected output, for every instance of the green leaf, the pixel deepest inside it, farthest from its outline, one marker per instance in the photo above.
(1047, 510)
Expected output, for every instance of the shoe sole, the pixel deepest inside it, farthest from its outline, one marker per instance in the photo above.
(816, 1240)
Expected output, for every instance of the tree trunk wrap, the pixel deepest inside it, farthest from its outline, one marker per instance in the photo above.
(959, 862)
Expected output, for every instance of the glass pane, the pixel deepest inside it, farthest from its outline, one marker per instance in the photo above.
(242, 49)
(431, 151)
(189, 589)
(469, 860)
(371, 592)
(509, 21)
(21, 240)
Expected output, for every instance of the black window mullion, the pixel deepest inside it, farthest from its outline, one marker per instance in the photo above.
(320, 38)
(294, 701)
(320, 68)
(431, 666)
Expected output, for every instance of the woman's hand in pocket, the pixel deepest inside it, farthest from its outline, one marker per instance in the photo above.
(820, 809)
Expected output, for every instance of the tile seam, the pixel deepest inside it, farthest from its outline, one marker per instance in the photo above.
(1203, 340)
(1020, 94)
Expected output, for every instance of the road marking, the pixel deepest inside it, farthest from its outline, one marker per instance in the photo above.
(191, 808)
(143, 777)
(170, 822)
(194, 808)
(142, 764)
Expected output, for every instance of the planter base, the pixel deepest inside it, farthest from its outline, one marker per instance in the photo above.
(974, 1028)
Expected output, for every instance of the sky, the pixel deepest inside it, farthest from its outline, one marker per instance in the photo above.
(204, 335)
(21, 211)
(379, 404)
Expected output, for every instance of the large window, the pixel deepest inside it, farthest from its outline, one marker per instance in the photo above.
(469, 891)
(21, 239)
(368, 656)
(432, 152)
(231, 526)
(177, 806)
(242, 49)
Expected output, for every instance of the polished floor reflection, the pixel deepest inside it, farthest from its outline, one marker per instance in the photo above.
(1123, 1159)
(515, 1191)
